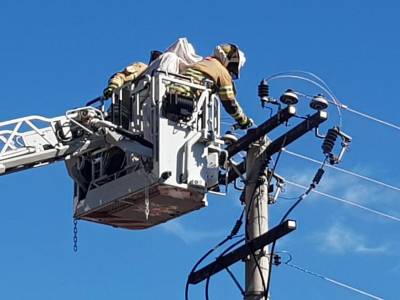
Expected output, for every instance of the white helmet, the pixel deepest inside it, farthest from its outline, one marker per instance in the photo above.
(231, 57)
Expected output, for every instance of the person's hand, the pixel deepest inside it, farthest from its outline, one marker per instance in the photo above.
(108, 92)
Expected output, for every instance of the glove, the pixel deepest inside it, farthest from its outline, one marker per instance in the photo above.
(108, 91)
(246, 124)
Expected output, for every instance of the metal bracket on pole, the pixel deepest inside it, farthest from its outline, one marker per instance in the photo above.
(309, 124)
(254, 134)
(242, 252)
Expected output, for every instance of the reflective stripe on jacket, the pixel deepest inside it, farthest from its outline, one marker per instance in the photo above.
(211, 68)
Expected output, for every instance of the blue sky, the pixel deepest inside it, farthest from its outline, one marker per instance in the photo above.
(55, 55)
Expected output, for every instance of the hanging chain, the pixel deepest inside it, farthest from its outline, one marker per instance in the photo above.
(75, 239)
(147, 182)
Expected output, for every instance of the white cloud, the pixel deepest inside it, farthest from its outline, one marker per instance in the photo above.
(341, 240)
(343, 185)
(188, 235)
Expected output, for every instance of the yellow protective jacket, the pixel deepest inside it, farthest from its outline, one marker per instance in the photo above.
(212, 69)
(130, 73)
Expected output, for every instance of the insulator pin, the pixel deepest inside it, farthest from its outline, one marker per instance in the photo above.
(263, 89)
(289, 97)
(329, 141)
(319, 103)
(263, 92)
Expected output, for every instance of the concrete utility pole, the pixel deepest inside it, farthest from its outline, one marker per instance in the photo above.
(258, 235)
(257, 220)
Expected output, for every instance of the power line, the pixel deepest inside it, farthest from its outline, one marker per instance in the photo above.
(322, 85)
(333, 281)
(356, 112)
(345, 171)
(380, 121)
(317, 81)
(376, 212)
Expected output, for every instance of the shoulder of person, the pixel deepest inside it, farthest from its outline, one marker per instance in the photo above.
(136, 66)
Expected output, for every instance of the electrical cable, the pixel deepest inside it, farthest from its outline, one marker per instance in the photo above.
(308, 73)
(289, 76)
(249, 207)
(380, 121)
(330, 280)
(312, 186)
(344, 171)
(361, 114)
(333, 281)
(232, 246)
(232, 234)
(326, 89)
(258, 210)
(248, 212)
(235, 280)
(218, 258)
(317, 178)
(287, 198)
(374, 211)
(323, 86)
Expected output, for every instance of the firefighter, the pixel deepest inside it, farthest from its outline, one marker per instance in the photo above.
(221, 68)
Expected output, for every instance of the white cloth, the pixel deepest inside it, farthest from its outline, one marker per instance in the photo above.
(185, 51)
(175, 57)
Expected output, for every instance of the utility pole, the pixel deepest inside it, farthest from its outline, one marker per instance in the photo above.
(258, 235)
(256, 200)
